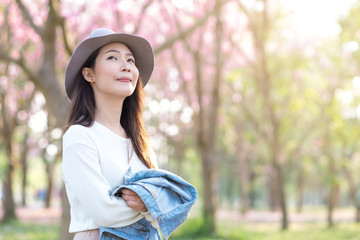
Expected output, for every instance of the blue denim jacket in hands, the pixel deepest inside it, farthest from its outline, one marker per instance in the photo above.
(141, 230)
(168, 197)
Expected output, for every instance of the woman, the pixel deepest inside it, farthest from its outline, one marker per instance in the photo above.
(105, 135)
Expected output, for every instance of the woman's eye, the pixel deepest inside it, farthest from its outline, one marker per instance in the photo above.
(131, 60)
(112, 58)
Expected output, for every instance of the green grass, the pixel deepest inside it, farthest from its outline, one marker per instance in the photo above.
(193, 229)
(16, 230)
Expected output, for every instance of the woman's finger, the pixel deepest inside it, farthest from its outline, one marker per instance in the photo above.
(133, 200)
(128, 192)
(136, 205)
(131, 197)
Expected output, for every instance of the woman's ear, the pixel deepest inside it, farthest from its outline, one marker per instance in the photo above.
(88, 74)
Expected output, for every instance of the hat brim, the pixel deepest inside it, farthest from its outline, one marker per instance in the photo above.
(140, 48)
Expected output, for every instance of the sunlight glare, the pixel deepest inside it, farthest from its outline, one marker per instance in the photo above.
(356, 82)
(183, 4)
(186, 115)
(345, 96)
(317, 18)
(51, 150)
(38, 122)
(351, 46)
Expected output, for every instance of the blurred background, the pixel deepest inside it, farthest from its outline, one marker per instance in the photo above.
(255, 102)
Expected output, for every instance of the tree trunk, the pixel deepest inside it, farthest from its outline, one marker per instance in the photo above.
(9, 204)
(282, 197)
(300, 189)
(243, 167)
(23, 182)
(65, 218)
(49, 171)
(330, 207)
(252, 191)
(333, 187)
(7, 139)
(56, 100)
(24, 165)
(259, 25)
(273, 190)
(210, 202)
(209, 162)
(352, 191)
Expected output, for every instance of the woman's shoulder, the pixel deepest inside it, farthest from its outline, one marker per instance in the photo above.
(77, 133)
(77, 129)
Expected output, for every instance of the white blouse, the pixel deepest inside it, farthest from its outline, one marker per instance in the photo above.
(95, 160)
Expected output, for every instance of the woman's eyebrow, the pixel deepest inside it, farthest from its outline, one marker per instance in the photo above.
(113, 50)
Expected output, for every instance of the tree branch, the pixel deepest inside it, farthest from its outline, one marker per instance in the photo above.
(20, 62)
(141, 16)
(184, 33)
(254, 122)
(69, 49)
(61, 21)
(244, 9)
(29, 18)
(185, 84)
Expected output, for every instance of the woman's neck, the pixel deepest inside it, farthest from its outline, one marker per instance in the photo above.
(109, 115)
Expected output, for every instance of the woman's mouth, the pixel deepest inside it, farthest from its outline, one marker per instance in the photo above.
(124, 79)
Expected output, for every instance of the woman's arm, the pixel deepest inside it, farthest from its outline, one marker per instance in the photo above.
(87, 186)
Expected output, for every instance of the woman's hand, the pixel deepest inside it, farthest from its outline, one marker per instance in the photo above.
(133, 200)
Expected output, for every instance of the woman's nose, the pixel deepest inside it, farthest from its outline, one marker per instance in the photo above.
(125, 67)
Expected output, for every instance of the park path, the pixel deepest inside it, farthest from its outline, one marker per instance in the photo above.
(38, 215)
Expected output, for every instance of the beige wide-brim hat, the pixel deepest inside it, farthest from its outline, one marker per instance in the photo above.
(140, 48)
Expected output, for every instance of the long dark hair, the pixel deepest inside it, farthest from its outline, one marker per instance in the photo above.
(83, 107)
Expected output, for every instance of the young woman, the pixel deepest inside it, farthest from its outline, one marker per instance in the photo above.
(105, 134)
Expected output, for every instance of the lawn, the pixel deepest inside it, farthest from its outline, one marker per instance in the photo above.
(269, 231)
(16, 230)
(191, 230)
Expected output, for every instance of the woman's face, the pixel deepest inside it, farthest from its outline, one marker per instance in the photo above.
(115, 73)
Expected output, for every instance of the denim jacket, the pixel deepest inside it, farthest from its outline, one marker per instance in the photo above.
(168, 197)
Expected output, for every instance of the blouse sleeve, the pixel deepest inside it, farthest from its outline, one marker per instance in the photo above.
(87, 186)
